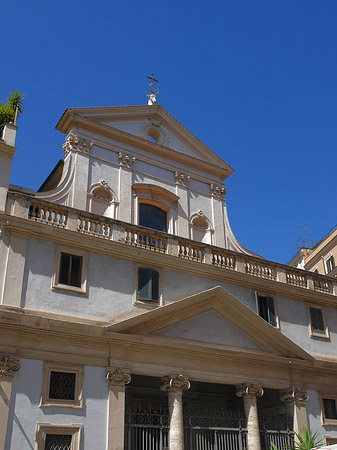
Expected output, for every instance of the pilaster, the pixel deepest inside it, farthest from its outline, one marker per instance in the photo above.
(297, 397)
(175, 385)
(250, 392)
(117, 379)
(8, 367)
(126, 162)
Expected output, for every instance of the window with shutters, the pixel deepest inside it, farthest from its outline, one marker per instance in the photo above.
(148, 285)
(329, 409)
(329, 264)
(58, 437)
(70, 270)
(317, 322)
(62, 386)
(266, 309)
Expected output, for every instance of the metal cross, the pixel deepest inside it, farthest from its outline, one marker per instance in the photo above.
(152, 80)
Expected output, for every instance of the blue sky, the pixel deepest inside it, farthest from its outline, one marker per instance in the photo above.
(254, 80)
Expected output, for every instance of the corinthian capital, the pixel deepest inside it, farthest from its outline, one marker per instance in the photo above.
(249, 390)
(8, 366)
(175, 383)
(295, 395)
(117, 376)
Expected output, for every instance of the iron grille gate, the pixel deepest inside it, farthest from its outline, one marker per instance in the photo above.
(205, 428)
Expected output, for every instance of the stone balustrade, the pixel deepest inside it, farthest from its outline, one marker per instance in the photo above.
(49, 214)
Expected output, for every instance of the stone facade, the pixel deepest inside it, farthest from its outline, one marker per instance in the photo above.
(132, 317)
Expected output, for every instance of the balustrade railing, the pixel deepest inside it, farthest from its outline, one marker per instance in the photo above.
(260, 269)
(156, 241)
(223, 259)
(296, 278)
(189, 250)
(48, 214)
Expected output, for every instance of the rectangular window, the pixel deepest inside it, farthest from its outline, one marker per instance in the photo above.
(58, 442)
(70, 272)
(148, 284)
(330, 264)
(62, 385)
(330, 411)
(317, 321)
(266, 309)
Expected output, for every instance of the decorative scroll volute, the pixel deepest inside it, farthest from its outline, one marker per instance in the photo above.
(249, 390)
(176, 383)
(296, 395)
(76, 144)
(8, 366)
(117, 376)
(126, 160)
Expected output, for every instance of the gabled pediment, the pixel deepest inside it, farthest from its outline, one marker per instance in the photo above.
(144, 122)
(215, 317)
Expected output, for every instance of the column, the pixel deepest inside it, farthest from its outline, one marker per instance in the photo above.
(250, 392)
(117, 379)
(175, 385)
(8, 367)
(297, 398)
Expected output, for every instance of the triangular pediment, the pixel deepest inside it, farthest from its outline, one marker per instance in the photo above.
(138, 121)
(214, 317)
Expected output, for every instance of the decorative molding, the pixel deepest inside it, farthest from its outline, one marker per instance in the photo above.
(126, 160)
(176, 383)
(218, 190)
(117, 376)
(249, 389)
(76, 143)
(296, 395)
(181, 178)
(8, 366)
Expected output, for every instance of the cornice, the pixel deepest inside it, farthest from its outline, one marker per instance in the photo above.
(7, 150)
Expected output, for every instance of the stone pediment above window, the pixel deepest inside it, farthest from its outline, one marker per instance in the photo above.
(214, 317)
(154, 192)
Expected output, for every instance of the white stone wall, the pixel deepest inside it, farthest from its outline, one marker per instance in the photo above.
(25, 411)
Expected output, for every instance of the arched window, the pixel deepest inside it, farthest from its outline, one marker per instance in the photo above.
(152, 217)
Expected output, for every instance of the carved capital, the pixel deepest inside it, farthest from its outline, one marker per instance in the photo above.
(77, 144)
(218, 191)
(175, 383)
(181, 178)
(296, 395)
(117, 376)
(249, 390)
(8, 366)
(126, 160)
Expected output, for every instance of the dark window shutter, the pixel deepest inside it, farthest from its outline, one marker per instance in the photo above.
(70, 272)
(317, 322)
(155, 285)
(271, 311)
(76, 270)
(148, 284)
(330, 411)
(64, 268)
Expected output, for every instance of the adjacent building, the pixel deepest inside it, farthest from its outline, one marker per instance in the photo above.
(132, 318)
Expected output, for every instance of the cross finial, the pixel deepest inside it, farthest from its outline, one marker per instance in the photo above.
(152, 96)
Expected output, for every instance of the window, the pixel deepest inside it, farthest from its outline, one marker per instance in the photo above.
(152, 217)
(329, 409)
(317, 322)
(70, 270)
(148, 284)
(62, 386)
(330, 264)
(266, 309)
(58, 437)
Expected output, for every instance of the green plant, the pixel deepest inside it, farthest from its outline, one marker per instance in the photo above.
(304, 440)
(11, 110)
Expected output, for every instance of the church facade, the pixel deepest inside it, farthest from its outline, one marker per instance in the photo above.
(132, 318)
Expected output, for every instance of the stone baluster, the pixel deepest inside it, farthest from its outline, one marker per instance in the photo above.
(250, 392)
(8, 367)
(117, 379)
(175, 385)
(296, 397)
